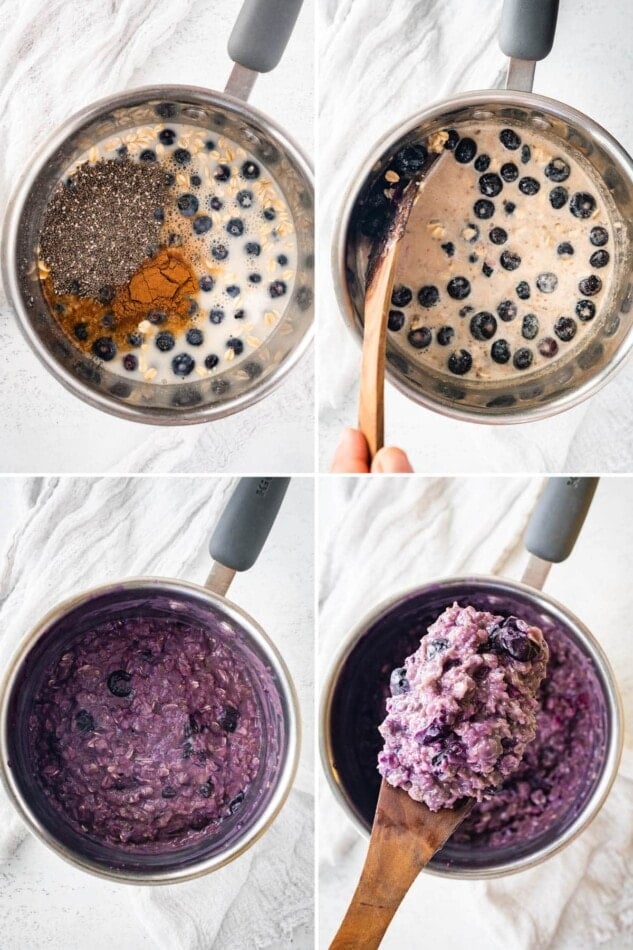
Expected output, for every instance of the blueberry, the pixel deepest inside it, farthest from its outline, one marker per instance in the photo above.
(398, 682)
(108, 321)
(253, 249)
(211, 361)
(511, 637)
(159, 215)
(81, 331)
(599, 236)
(509, 260)
(547, 283)
(483, 325)
(498, 236)
(458, 288)
(236, 803)
(565, 249)
(104, 348)
(582, 204)
(277, 288)
(233, 290)
(465, 311)
(206, 283)
(465, 151)
(529, 186)
(191, 727)
(473, 258)
(269, 214)
(194, 336)
(409, 160)
(165, 110)
(509, 207)
(526, 154)
(209, 145)
(420, 338)
(236, 345)
(483, 209)
(453, 138)
(375, 215)
(229, 719)
(522, 358)
(548, 347)
(216, 315)
(216, 204)
(565, 329)
(500, 351)
(490, 185)
(182, 364)
(187, 750)
(590, 286)
(135, 338)
(558, 197)
(119, 683)
(169, 179)
(85, 722)
(147, 155)
(254, 278)
(486, 269)
(557, 170)
(187, 205)
(219, 252)
(239, 314)
(509, 171)
(107, 294)
(507, 310)
(195, 181)
(523, 290)
(435, 647)
(428, 296)
(182, 156)
(250, 171)
(122, 152)
(235, 227)
(448, 248)
(435, 732)
(599, 259)
(401, 296)
(510, 139)
(396, 320)
(529, 326)
(130, 362)
(165, 341)
(222, 173)
(473, 232)
(202, 224)
(167, 136)
(585, 310)
(445, 335)
(206, 789)
(244, 198)
(168, 792)
(460, 362)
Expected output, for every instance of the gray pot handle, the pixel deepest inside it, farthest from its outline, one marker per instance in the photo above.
(527, 28)
(558, 517)
(261, 33)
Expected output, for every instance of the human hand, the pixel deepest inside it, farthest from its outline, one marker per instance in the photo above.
(352, 456)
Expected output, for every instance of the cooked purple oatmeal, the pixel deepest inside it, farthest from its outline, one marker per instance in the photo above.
(147, 730)
(463, 708)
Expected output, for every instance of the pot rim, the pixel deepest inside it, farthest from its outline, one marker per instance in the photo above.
(614, 743)
(287, 693)
(13, 217)
(473, 99)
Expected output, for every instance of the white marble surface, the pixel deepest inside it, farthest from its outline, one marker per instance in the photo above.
(55, 57)
(379, 64)
(59, 536)
(379, 537)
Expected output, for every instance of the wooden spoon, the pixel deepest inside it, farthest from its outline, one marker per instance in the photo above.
(404, 838)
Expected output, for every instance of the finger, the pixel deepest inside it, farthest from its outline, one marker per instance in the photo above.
(391, 460)
(352, 453)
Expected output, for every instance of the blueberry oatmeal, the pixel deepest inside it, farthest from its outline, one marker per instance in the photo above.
(463, 708)
(168, 252)
(507, 263)
(146, 731)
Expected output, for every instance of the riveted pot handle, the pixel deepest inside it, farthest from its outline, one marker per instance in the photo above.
(261, 33)
(527, 28)
(558, 517)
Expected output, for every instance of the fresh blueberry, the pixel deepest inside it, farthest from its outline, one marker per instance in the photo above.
(445, 336)
(483, 209)
(509, 171)
(585, 310)
(269, 214)
(168, 792)
(522, 358)
(277, 288)
(167, 136)
(216, 315)
(206, 283)
(509, 207)
(216, 204)
(401, 296)
(529, 326)
(165, 341)
(428, 296)
(509, 260)
(565, 249)
(253, 249)
(582, 204)
(169, 179)
(398, 682)
(119, 683)
(460, 362)
(165, 110)
(194, 336)
(187, 205)
(435, 647)
(202, 224)
(486, 269)
(465, 151)
(448, 248)
(81, 331)
(599, 259)
(104, 348)
(254, 278)
(395, 321)
(523, 290)
(244, 198)
(229, 719)
(182, 156)
(483, 326)
(282, 260)
(507, 310)
(209, 145)
(510, 139)
(235, 227)
(222, 173)
(206, 789)
(482, 163)
(130, 362)
(410, 160)
(599, 236)
(375, 215)
(498, 236)
(458, 288)
(453, 138)
(135, 338)
(547, 283)
(557, 170)
(233, 290)
(548, 347)
(529, 186)
(236, 345)
(500, 351)
(219, 252)
(590, 286)
(211, 361)
(420, 338)
(250, 171)
(195, 181)
(565, 329)
(147, 155)
(490, 185)
(526, 154)
(558, 197)
(182, 364)
(85, 722)
(511, 637)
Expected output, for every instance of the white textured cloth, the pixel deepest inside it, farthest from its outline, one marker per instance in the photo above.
(57, 56)
(380, 537)
(380, 64)
(62, 536)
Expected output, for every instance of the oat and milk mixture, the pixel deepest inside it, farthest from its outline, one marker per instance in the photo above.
(167, 252)
(463, 708)
(147, 731)
(508, 257)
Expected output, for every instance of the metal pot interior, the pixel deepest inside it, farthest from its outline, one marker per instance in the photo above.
(170, 861)
(543, 391)
(355, 706)
(185, 402)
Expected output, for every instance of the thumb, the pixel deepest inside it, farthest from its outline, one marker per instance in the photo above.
(391, 460)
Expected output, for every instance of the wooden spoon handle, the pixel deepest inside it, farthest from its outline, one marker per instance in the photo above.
(371, 413)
